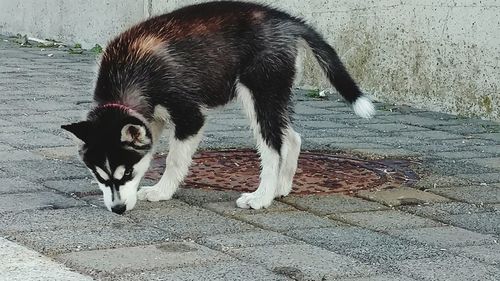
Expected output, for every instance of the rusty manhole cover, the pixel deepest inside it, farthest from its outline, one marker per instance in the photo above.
(317, 173)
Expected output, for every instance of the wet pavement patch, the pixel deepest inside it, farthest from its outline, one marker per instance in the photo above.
(317, 173)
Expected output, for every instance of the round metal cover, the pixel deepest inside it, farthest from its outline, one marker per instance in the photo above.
(317, 173)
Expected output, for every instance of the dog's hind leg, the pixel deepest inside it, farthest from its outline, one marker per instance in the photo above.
(183, 144)
(289, 158)
(265, 97)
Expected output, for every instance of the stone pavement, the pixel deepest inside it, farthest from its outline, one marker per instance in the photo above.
(446, 227)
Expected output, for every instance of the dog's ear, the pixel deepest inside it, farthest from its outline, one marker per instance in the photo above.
(81, 130)
(136, 135)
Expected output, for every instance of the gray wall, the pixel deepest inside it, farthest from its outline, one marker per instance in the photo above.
(441, 55)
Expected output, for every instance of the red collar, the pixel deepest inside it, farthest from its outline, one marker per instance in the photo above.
(116, 105)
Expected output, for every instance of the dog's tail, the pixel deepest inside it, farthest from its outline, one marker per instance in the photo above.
(337, 73)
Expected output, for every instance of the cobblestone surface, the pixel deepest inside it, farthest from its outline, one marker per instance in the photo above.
(447, 229)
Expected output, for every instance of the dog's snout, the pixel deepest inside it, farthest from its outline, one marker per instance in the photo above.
(119, 209)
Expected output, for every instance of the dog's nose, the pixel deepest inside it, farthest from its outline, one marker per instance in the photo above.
(119, 209)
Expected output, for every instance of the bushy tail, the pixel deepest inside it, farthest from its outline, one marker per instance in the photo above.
(337, 74)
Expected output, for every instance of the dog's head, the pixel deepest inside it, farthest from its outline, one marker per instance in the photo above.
(117, 149)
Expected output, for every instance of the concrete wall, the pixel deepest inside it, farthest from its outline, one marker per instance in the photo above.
(441, 55)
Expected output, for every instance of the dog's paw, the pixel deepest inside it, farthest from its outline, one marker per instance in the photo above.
(254, 200)
(153, 194)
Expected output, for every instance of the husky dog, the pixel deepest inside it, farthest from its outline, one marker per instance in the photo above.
(167, 70)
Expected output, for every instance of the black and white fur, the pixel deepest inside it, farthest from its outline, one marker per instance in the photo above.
(165, 72)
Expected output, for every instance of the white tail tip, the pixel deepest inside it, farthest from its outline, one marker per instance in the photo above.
(363, 107)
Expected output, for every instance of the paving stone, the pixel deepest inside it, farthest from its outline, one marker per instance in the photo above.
(447, 268)
(342, 237)
(17, 185)
(369, 246)
(230, 209)
(199, 197)
(385, 254)
(436, 181)
(344, 132)
(437, 115)
(91, 238)
(4, 123)
(480, 177)
(462, 154)
(467, 129)
(303, 109)
(47, 169)
(230, 135)
(15, 129)
(401, 196)
(387, 152)
(356, 121)
(471, 194)
(489, 148)
(318, 124)
(338, 143)
(142, 259)
(430, 135)
(30, 140)
(78, 187)
(489, 254)
(488, 223)
(284, 221)
(224, 242)
(77, 112)
(18, 155)
(395, 142)
(20, 263)
(4, 148)
(48, 105)
(211, 143)
(434, 146)
(456, 167)
(489, 136)
(419, 121)
(384, 220)
(61, 153)
(488, 162)
(240, 124)
(309, 262)
(440, 210)
(329, 204)
(42, 220)
(4, 174)
(395, 127)
(330, 103)
(495, 207)
(40, 200)
(234, 270)
(187, 221)
(444, 237)
(382, 277)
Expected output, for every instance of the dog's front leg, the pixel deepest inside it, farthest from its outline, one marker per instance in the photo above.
(177, 166)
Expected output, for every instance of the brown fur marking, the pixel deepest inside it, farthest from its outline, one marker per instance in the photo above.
(145, 45)
(258, 16)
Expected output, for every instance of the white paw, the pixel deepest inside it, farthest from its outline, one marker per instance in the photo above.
(254, 200)
(153, 194)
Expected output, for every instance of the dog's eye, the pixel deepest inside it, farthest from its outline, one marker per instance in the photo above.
(128, 173)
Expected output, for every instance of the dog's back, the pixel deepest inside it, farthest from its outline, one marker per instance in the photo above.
(196, 54)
